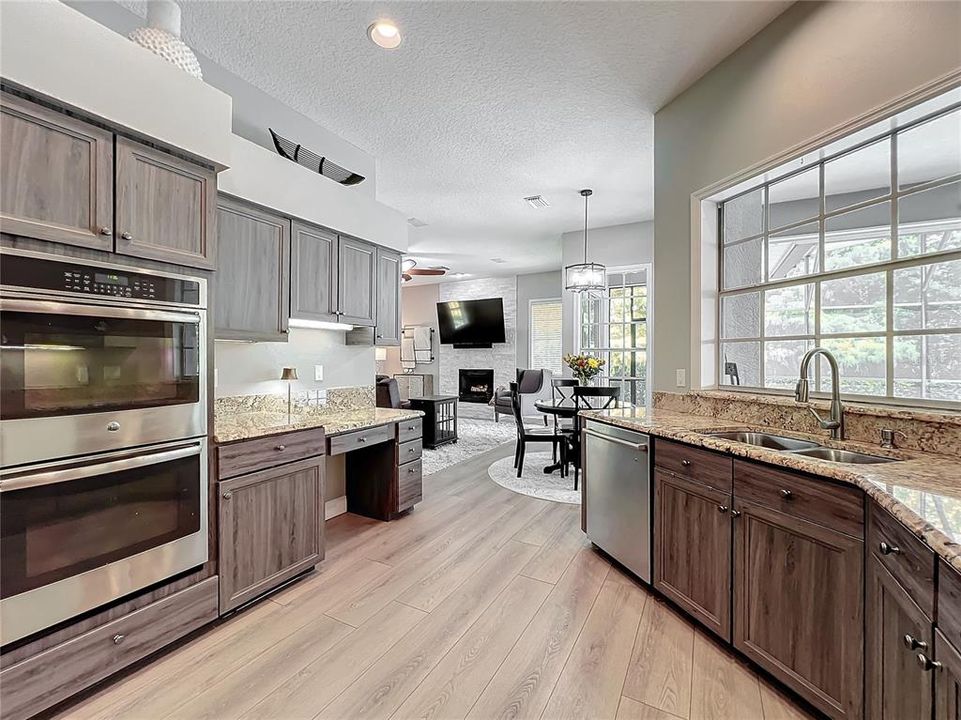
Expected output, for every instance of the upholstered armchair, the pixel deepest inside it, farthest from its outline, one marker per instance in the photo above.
(532, 385)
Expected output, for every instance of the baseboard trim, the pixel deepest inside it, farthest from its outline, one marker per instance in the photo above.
(334, 507)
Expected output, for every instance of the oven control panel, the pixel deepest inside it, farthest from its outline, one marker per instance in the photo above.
(41, 273)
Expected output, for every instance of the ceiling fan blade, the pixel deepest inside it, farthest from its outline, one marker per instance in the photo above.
(427, 271)
(405, 277)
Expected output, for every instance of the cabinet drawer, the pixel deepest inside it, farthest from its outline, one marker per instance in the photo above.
(410, 451)
(261, 453)
(820, 501)
(906, 557)
(949, 603)
(409, 485)
(361, 438)
(691, 463)
(409, 429)
(64, 670)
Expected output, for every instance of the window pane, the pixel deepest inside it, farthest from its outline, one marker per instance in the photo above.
(857, 177)
(930, 151)
(863, 363)
(928, 297)
(793, 253)
(928, 366)
(854, 304)
(789, 311)
(858, 238)
(742, 315)
(795, 199)
(782, 361)
(745, 358)
(744, 216)
(742, 264)
(930, 221)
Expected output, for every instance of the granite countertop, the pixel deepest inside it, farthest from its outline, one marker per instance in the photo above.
(922, 490)
(246, 424)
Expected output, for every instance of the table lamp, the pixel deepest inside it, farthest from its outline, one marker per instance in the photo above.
(289, 374)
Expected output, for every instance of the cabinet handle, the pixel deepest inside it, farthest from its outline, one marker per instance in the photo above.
(787, 494)
(723, 508)
(118, 638)
(361, 439)
(888, 549)
(126, 236)
(280, 448)
(227, 495)
(927, 663)
(735, 513)
(106, 231)
(686, 463)
(410, 450)
(912, 643)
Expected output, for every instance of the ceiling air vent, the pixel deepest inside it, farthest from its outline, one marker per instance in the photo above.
(499, 261)
(295, 152)
(537, 201)
(416, 222)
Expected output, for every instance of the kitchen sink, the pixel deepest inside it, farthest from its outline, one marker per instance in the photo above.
(765, 440)
(842, 456)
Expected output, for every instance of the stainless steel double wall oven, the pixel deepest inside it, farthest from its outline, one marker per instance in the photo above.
(103, 425)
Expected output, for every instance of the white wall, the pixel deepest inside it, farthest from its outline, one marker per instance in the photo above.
(613, 246)
(817, 66)
(533, 286)
(418, 305)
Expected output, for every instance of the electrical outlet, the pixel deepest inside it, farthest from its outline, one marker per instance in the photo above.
(681, 377)
(318, 373)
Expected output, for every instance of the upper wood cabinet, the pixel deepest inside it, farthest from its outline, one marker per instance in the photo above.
(56, 176)
(313, 276)
(388, 298)
(165, 207)
(252, 291)
(355, 289)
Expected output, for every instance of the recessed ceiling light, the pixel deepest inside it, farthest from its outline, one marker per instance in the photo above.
(385, 34)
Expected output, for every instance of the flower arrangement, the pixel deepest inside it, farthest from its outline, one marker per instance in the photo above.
(584, 367)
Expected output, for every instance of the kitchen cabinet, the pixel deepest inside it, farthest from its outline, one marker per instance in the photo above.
(388, 298)
(165, 207)
(271, 528)
(252, 295)
(798, 589)
(56, 176)
(692, 546)
(356, 262)
(313, 277)
(947, 673)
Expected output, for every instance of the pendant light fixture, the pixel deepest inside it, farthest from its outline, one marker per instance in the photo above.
(586, 276)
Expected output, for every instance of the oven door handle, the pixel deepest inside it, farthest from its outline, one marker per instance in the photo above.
(50, 307)
(50, 477)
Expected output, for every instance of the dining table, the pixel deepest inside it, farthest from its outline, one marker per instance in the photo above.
(561, 408)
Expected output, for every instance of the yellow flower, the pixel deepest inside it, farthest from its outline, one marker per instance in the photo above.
(593, 362)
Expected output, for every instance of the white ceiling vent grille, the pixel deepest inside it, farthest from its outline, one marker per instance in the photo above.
(537, 201)
(416, 222)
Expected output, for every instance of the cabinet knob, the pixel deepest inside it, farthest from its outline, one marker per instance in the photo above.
(361, 439)
(927, 663)
(118, 638)
(106, 231)
(126, 236)
(888, 549)
(280, 448)
(227, 495)
(912, 643)
(686, 463)
(787, 494)
(735, 513)
(723, 508)
(113, 426)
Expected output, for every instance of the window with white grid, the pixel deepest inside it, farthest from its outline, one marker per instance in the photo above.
(545, 334)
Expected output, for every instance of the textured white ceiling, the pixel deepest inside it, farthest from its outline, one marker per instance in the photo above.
(485, 103)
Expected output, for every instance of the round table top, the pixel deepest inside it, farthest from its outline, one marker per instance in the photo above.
(564, 407)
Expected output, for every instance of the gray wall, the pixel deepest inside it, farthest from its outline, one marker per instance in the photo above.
(817, 66)
(418, 307)
(534, 286)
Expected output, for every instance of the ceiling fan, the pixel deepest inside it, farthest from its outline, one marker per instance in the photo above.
(409, 269)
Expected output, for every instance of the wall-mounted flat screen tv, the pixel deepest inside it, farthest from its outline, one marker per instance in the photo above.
(471, 323)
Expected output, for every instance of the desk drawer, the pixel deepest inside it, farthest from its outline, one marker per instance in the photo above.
(691, 463)
(360, 439)
(410, 451)
(409, 485)
(820, 501)
(409, 429)
(64, 670)
(265, 452)
(906, 557)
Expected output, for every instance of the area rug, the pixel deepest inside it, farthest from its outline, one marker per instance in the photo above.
(534, 481)
(474, 437)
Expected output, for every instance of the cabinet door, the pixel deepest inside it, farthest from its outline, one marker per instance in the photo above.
(388, 297)
(798, 603)
(947, 679)
(271, 528)
(692, 549)
(897, 630)
(313, 276)
(165, 207)
(252, 297)
(355, 281)
(56, 176)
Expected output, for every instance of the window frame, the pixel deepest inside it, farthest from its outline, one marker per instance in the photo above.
(530, 330)
(887, 267)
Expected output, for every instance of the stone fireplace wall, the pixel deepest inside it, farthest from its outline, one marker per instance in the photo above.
(501, 358)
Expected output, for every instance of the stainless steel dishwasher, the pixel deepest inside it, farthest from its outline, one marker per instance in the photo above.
(617, 485)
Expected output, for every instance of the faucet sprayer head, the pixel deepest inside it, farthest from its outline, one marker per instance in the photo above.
(801, 390)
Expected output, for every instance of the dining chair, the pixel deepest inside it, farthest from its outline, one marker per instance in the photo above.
(527, 435)
(588, 398)
(562, 390)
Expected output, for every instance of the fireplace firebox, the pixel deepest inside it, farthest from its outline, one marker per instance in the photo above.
(475, 386)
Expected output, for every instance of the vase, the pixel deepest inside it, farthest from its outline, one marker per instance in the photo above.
(161, 36)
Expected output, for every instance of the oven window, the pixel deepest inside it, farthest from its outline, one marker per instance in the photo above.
(53, 364)
(51, 532)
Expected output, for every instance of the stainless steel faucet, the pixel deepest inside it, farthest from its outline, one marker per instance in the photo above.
(835, 423)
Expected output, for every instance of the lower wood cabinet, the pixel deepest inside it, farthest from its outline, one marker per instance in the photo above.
(692, 527)
(947, 674)
(271, 528)
(798, 599)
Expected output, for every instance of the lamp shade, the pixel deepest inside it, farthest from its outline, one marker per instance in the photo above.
(585, 277)
(288, 373)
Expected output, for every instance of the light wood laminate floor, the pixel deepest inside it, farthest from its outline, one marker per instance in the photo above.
(481, 603)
